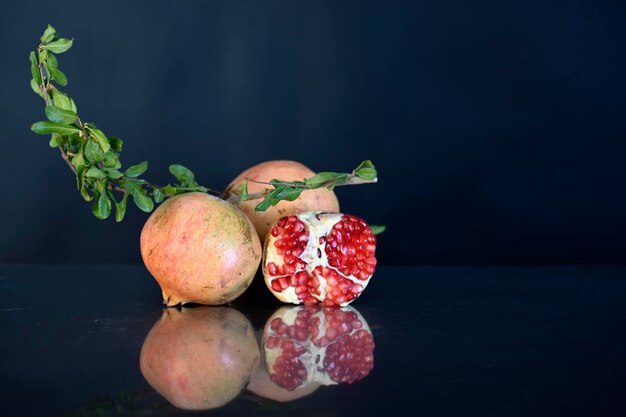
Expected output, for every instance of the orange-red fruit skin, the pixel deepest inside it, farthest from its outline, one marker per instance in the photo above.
(200, 358)
(314, 200)
(200, 249)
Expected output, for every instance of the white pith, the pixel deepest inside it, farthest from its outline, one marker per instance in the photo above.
(315, 370)
(318, 225)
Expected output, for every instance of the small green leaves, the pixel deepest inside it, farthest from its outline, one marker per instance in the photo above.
(120, 208)
(366, 171)
(244, 191)
(184, 176)
(48, 34)
(323, 178)
(102, 206)
(43, 128)
(140, 198)
(34, 68)
(158, 195)
(62, 101)
(59, 46)
(93, 152)
(52, 66)
(100, 138)
(94, 172)
(136, 170)
(61, 116)
(116, 144)
(376, 229)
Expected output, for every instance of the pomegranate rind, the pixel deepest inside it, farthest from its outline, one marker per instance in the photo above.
(320, 199)
(301, 266)
(200, 249)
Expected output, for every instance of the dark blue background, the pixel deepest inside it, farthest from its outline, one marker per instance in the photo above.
(498, 128)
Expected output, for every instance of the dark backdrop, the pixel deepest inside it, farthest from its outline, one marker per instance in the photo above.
(498, 128)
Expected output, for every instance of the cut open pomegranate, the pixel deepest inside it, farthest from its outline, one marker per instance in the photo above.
(317, 345)
(315, 258)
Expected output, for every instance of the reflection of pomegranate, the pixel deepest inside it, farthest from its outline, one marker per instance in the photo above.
(261, 384)
(200, 249)
(312, 344)
(315, 200)
(200, 358)
(319, 257)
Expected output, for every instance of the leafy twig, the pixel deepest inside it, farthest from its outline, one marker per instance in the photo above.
(95, 157)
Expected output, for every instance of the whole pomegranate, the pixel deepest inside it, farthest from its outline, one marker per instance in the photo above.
(200, 358)
(320, 199)
(317, 345)
(317, 257)
(200, 249)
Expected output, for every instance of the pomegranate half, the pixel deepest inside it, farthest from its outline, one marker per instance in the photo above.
(321, 199)
(315, 257)
(200, 249)
(309, 344)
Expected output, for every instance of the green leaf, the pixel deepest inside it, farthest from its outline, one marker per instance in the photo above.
(80, 177)
(322, 178)
(35, 87)
(78, 159)
(158, 195)
(102, 206)
(116, 143)
(120, 208)
(183, 175)
(263, 205)
(61, 100)
(61, 116)
(42, 128)
(93, 153)
(85, 194)
(101, 138)
(48, 34)
(136, 170)
(34, 68)
(59, 46)
(376, 229)
(244, 191)
(141, 200)
(58, 76)
(55, 141)
(366, 171)
(95, 172)
(112, 160)
(113, 174)
(284, 193)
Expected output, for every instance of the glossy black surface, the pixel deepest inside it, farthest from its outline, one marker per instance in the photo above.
(449, 341)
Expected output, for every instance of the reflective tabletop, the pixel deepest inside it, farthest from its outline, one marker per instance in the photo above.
(433, 341)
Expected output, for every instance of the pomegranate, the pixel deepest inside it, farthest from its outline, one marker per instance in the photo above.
(317, 345)
(320, 199)
(200, 358)
(315, 258)
(200, 249)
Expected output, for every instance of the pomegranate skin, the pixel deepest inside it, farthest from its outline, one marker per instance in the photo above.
(321, 199)
(200, 249)
(200, 358)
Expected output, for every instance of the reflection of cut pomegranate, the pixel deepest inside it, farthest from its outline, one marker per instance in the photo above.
(312, 344)
(319, 257)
